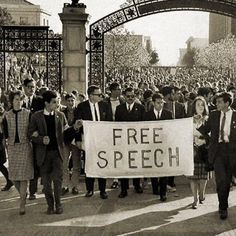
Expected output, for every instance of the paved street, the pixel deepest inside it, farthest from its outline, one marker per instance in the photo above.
(138, 214)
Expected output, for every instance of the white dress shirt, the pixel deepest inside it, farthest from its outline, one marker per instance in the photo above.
(46, 113)
(227, 126)
(27, 99)
(129, 105)
(156, 113)
(93, 111)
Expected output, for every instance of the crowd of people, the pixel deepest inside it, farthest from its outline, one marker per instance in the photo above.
(42, 131)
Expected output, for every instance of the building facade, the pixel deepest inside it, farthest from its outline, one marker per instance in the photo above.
(198, 43)
(26, 13)
(220, 26)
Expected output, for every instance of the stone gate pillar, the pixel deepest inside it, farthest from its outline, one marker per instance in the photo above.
(74, 20)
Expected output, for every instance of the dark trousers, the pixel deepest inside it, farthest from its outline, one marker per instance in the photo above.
(124, 183)
(159, 185)
(52, 172)
(223, 175)
(90, 184)
(33, 184)
(171, 181)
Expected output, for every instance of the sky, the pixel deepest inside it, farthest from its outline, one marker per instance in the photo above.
(168, 31)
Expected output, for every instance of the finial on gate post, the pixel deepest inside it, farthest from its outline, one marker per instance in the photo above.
(75, 3)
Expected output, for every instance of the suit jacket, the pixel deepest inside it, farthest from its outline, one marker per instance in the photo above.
(179, 109)
(37, 104)
(213, 126)
(109, 107)
(136, 114)
(165, 115)
(38, 123)
(189, 112)
(84, 112)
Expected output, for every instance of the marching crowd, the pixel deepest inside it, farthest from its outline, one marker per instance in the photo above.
(42, 136)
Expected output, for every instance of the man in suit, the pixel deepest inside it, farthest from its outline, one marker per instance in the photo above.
(159, 113)
(113, 101)
(46, 130)
(178, 112)
(222, 147)
(96, 110)
(33, 103)
(130, 111)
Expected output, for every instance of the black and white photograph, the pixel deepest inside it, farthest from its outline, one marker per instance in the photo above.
(118, 117)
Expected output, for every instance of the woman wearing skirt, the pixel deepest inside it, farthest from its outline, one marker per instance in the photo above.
(19, 147)
(200, 176)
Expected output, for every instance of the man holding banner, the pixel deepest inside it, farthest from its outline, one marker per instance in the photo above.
(95, 110)
(158, 113)
(130, 111)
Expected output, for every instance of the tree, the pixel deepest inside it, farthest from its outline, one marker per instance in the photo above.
(188, 58)
(124, 49)
(154, 58)
(220, 55)
(5, 17)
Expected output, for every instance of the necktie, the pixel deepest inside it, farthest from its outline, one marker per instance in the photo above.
(29, 103)
(95, 112)
(222, 127)
(129, 108)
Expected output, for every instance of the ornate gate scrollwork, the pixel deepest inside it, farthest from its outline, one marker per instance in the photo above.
(32, 39)
(135, 10)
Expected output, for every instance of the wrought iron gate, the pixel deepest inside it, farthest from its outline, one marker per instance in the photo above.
(140, 8)
(32, 39)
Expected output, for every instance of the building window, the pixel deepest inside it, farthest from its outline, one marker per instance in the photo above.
(24, 21)
(47, 22)
(44, 22)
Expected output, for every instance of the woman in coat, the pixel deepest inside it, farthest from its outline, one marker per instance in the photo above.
(200, 176)
(19, 146)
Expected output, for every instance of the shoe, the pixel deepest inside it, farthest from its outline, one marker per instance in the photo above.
(123, 194)
(50, 211)
(59, 210)
(22, 212)
(171, 189)
(138, 190)
(194, 205)
(64, 191)
(223, 214)
(103, 195)
(7, 186)
(89, 194)
(163, 198)
(114, 185)
(32, 197)
(74, 191)
(201, 200)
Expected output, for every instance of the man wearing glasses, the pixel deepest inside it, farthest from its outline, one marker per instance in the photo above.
(33, 103)
(130, 111)
(96, 110)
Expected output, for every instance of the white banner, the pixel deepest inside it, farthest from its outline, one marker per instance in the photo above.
(139, 149)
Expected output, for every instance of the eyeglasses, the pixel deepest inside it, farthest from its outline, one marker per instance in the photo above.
(99, 94)
(130, 96)
(30, 87)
